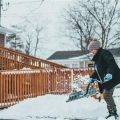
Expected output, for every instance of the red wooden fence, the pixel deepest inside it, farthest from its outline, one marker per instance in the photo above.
(17, 85)
(10, 59)
(43, 77)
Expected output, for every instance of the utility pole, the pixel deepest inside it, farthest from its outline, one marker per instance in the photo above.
(2, 8)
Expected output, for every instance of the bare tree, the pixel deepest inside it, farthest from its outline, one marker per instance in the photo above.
(30, 34)
(37, 31)
(95, 18)
(81, 27)
(15, 42)
(28, 48)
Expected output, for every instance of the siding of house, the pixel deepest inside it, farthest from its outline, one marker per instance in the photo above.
(76, 63)
(2, 40)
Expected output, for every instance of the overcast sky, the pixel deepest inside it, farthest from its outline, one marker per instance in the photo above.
(49, 14)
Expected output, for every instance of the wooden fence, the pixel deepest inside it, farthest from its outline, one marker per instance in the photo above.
(10, 59)
(41, 77)
(17, 85)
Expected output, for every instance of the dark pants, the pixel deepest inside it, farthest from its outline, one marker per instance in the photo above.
(111, 106)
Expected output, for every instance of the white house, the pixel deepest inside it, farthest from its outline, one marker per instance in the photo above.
(72, 59)
(78, 59)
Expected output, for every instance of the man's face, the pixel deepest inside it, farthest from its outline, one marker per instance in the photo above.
(94, 51)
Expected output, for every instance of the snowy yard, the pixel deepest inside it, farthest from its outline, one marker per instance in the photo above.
(54, 107)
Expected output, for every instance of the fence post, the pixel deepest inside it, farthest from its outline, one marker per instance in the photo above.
(72, 78)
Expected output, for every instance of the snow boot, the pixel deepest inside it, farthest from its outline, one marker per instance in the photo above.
(116, 116)
(108, 116)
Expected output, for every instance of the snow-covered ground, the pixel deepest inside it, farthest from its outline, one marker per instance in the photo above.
(54, 107)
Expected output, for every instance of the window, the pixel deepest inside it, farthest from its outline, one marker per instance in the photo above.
(81, 64)
(74, 65)
(67, 65)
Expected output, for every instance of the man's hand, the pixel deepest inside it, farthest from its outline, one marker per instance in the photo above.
(89, 80)
(108, 77)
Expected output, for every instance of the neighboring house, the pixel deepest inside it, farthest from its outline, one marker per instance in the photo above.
(72, 59)
(3, 33)
(78, 59)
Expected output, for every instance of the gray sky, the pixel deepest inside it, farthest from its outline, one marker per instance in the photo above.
(49, 14)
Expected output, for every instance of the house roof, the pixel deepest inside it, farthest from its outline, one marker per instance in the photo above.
(69, 54)
(5, 30)
(66, 54)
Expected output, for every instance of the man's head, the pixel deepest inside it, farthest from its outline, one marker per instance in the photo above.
(94, 46)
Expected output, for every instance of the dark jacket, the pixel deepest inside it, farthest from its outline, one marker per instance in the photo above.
(105, 63)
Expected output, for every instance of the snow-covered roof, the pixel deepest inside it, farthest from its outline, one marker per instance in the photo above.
(5, 30)
(83, 57)
(78, 54)
(66, 54)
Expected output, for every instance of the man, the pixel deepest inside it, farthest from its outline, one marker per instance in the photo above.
(107, 71)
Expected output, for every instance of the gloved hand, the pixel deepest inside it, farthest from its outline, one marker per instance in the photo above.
(89, 80)
(108, 77)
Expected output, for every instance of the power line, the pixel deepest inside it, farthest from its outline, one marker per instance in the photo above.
(24, 2)
(15, 15)
(28, 14)
(37, 7)
(0, 10)
(33, 10)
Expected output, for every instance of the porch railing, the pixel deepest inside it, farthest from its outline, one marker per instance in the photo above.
(17, 85)
(10, 59)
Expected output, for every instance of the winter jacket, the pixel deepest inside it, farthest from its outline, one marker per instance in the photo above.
(105, 63)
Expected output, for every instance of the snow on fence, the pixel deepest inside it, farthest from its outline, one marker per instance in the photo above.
(17, 85)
